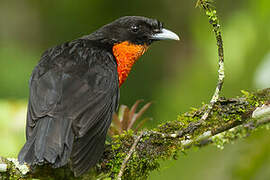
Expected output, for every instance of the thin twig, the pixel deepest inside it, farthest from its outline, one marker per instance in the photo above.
(132, 149)
(213, 20)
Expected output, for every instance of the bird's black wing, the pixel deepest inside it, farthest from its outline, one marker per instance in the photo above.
(73, 93)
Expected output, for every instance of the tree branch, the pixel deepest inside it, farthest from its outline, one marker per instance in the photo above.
(229, 120)
(214, 22)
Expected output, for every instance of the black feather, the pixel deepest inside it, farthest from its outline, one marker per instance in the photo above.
(73, 93)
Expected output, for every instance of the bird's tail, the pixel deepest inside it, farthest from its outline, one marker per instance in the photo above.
(87, 150)
(50, 142)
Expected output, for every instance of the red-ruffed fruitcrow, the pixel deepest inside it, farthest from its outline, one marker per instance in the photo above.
(74, 91)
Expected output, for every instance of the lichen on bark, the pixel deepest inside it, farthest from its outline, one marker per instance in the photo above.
(229, 120)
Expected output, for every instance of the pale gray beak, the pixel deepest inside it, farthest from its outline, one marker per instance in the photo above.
(165, 34)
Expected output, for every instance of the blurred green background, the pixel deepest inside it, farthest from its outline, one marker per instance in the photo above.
(174, 75)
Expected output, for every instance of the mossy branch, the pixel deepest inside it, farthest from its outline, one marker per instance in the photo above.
(229, 120)
(211, 13)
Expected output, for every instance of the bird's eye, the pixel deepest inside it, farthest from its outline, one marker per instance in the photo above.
(156, 30)
(134, 28)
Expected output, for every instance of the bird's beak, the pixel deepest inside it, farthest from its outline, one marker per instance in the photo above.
(165, 34)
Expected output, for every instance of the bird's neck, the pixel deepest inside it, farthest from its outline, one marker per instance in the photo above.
(126, 55)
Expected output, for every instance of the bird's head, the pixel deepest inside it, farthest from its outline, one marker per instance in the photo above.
(129, 37)
(136, 30)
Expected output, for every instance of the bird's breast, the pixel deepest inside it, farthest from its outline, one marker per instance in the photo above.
(126, 55)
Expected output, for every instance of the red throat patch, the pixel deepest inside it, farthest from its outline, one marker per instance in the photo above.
(126, 55)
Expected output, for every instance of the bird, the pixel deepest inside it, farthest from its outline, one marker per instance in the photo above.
(74, 91)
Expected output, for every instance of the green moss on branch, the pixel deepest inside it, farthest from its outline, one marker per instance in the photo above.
(230, 119)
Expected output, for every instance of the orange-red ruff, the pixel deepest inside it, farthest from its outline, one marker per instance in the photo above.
(126, 55)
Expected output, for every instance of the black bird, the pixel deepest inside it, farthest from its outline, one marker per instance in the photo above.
(74, 91)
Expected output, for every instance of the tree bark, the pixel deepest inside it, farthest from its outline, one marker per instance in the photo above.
(229, 120)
